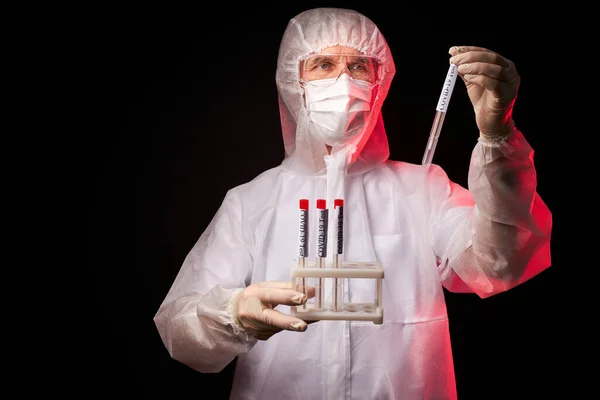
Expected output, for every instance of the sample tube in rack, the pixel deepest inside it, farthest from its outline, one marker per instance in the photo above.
(303, 238)
(338, 208)
(322, 215)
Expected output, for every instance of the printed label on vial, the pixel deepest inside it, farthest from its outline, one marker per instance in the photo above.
(303, 243)
(444, 100)
(340, 229)
(322, 239)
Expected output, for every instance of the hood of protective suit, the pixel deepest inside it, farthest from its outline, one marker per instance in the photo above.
(309, 33)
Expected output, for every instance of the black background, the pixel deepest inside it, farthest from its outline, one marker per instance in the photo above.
(188, 109)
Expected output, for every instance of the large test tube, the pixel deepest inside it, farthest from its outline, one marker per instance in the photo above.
(440, 114)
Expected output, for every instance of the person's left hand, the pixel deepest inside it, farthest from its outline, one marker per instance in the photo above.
(492, 84)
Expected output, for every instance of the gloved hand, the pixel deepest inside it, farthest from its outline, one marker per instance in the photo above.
(492, 84)
(253, 308)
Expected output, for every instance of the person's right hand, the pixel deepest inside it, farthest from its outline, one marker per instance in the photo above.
(253, 308)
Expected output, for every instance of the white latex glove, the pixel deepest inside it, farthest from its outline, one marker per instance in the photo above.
(253, 308)
(492, 84)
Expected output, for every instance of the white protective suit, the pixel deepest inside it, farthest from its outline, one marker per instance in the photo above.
(427, 232)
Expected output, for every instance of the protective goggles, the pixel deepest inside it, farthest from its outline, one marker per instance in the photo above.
(327, 66)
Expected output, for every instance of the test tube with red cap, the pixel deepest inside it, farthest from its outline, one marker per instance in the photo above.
(338, 208)
(303, 238)
(322, 222)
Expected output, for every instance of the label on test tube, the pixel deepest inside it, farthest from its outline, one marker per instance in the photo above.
(302, 236)
(444, 100)
(338, 205)
(323, 221)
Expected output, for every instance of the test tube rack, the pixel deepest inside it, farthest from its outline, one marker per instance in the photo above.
(336, 308)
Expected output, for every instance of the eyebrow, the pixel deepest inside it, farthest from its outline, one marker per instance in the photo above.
(319, 59)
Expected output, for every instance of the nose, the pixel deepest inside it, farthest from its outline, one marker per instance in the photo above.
(344, 70)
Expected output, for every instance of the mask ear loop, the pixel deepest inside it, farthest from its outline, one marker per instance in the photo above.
(303, 83)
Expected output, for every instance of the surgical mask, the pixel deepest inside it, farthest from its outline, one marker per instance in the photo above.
(337, 108)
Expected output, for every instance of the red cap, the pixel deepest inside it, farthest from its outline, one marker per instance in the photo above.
(304, 204)
(338, 203)
(321, 203)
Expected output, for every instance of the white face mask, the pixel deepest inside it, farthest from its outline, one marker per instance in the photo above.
(337, 108)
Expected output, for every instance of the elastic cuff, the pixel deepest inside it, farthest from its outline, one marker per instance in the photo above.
(496, 141)
(235, 324)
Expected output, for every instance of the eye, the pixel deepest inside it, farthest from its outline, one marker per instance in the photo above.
(323, 66)
(359, 67)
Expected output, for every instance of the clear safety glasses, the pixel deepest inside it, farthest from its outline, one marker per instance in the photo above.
(328, 66)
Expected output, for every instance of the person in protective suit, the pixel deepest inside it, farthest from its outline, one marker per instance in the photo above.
(230, 297)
